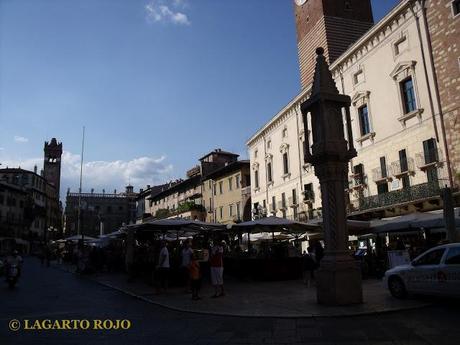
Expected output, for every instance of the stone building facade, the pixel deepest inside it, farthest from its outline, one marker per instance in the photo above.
(443, 18)
(144, 201)
(401, 162)
(101, 213)
(14, 208)
(181, 198)
(40, 208)
(227, 193)
(190, 198)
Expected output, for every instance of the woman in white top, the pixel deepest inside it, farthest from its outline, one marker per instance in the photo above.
(163, 268)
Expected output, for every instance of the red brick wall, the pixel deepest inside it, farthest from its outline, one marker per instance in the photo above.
(445, 35)
(328, 23)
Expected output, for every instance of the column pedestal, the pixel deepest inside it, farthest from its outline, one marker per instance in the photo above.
(338, 280)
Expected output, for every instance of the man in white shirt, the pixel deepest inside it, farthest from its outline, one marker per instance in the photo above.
(163, 268)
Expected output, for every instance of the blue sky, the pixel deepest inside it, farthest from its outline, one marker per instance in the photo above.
(157, 83)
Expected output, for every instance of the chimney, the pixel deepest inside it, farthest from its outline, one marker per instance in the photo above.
(92, 190)
(140, 191)
(114, 191)
(35, 169)
(148, 186)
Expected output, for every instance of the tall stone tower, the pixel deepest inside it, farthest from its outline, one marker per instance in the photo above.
(331, 24)
(443, 21)
(52, 163)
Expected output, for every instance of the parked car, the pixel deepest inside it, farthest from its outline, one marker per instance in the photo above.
(434, 272)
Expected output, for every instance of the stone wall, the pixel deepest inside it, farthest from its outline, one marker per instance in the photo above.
(333, 25)
(445, 35)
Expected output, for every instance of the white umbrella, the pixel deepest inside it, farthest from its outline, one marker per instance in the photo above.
(275, 224)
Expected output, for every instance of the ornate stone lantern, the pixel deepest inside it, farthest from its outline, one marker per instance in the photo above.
(339, 276)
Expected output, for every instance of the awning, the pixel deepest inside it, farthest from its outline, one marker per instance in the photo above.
(270, 224)
(115, 234)
(80, 237)
(354, 226)
(163, 225)
(412, 222)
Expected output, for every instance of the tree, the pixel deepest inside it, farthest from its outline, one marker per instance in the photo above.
(162, 213)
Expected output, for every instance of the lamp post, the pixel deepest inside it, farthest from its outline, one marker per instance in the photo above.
(339, 277)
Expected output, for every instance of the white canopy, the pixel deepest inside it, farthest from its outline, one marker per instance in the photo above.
(275, 224)
(413, 221)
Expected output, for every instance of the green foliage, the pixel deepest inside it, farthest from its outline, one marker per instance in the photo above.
(162, 213)
(188, 206)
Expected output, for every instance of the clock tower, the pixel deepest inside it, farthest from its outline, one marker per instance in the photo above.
(52, 163)
(332, 24)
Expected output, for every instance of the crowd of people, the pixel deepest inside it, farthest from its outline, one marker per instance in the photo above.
(178, 263)
(191, 268)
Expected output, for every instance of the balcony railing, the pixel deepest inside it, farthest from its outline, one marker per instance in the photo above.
(413, 193)
(306, 216)
(282, 205)
(379, 174)
(403, 167)
(428, 158)
(246, 191)
(308, 196)
(357, 181)
(292, 202)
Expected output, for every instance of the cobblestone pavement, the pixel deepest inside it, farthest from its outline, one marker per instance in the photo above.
(48, 293)
(262, 299)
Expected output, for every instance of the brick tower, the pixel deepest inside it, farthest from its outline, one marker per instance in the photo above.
(443, 21)
(52, 163)
(331, 24)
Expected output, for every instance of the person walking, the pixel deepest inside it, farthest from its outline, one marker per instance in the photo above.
(217, 268)
(309, 266)
(186, 255)
(319, 252)
(195, 276)
(163, 268)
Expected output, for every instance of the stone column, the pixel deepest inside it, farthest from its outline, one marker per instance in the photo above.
(339, 276)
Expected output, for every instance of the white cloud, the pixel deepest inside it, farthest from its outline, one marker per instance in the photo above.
(27, 164)
(20, 139)
(167, 11)
(108, 175)
(180, 3)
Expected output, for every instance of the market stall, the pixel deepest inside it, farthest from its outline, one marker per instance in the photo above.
(143, 244)
(402, 236)
(269, 248)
